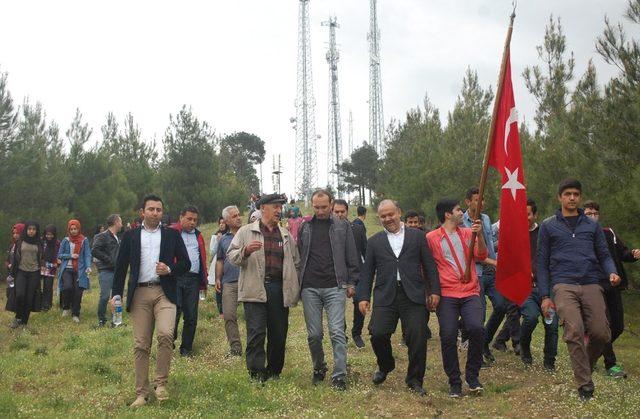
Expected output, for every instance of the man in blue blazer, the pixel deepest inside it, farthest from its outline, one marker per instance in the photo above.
(156, 255)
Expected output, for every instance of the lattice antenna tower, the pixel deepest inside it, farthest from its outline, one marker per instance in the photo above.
(334, 137)
(275, 174)
(306, 175)
(376, 118)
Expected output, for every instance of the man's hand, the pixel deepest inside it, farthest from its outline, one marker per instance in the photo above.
(88, 271)
(162, 269)
(351, 291)
(74, 256)
(218, 285)
(433, 301)
(489, 261)
(636, 253)
(614, 279)
(363, 306)
(252, 247)
(476, 227)
(546, 305)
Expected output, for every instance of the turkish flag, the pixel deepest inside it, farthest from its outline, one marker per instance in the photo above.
(513, 274)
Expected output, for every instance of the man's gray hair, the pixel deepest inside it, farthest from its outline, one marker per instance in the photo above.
(389, 201)
(225, 212)
(111, 220)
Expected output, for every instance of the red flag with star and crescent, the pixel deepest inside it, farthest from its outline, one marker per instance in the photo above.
(513, 274)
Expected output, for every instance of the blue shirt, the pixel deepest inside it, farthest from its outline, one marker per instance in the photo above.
(191, 243)
(230, 272)
(486, 234)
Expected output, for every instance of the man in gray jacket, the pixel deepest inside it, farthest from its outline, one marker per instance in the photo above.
(329, 269)
(105, 251)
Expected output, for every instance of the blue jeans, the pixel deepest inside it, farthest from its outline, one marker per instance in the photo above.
(333, 301)
(530, 312)
(106, 283)
(499, 303)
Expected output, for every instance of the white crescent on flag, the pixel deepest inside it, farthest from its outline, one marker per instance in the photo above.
(513, 117)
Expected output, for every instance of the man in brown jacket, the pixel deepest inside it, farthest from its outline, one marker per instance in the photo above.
(267, 286)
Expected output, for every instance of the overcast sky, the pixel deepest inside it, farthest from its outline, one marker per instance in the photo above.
(234, 62)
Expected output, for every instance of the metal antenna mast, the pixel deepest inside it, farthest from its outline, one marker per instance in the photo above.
(275, 174)
(376, 119)
(350, 133)
(306, 166)
(334, 139)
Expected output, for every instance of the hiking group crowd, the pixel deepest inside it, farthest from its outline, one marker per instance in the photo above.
(402, 273)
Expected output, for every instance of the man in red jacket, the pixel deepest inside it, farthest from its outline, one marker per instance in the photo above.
(190, 283)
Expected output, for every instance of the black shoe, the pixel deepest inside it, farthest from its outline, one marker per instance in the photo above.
(455, 391)
(258, 376)
(15, 323)
(499, 346)
(487, 355)
(475, 387)
(550, 366)
(235, 352)
(101, 323)
(270, 375)
(339, 384)
(358, 341)
(187, 353)
(585, 392)
(417, 388)
(318, 376)
(379, 377)
(526, 360)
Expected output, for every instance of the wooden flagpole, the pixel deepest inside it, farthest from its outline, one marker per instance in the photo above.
(485, 165)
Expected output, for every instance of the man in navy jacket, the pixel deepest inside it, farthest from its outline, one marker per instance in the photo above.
(157, 256)
(572, 257)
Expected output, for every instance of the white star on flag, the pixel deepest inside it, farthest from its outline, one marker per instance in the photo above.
(513, 183)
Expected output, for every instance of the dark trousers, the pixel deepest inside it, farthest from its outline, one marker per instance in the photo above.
(511, 327)
(219, 301)
(448, 312)
(187, 297)
(615, 313)
(47, 292)
(384, 321)
(531, 311)
(71, 291)
(26, 284)
(358, 320)
(268, 321)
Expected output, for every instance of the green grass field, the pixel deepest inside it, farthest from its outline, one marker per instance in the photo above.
(61, 369)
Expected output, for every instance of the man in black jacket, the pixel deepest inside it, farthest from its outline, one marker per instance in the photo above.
(341, 210)
(612, 295)
(156, 256)
(397, 258)
(105, 251)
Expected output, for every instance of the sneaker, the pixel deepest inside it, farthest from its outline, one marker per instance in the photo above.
(318, 376)
(76, 319)
(15, 323)
(101, 323)
(487, 355)
(358, 342)
(616, 372)
(339, 384)
(499, 346)
(65, 313)
(585, 392)
(475, 387)
(162, 394)
(138, 402)
(549, 365)
(455, 391)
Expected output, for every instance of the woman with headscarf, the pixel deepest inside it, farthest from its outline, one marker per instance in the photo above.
(73, 276)
(50, 247)
(16, 231)
(25, 268)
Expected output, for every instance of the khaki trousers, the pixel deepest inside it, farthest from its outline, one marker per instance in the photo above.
(581, 310)
(151, 309)
(230, 310)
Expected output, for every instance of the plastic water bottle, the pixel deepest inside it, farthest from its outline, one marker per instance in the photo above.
(203, 295)
(551, 313)
(117, 314)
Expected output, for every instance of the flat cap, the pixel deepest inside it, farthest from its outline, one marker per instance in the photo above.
(274, 198)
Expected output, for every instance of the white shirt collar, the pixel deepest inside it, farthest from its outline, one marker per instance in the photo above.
(144, 227)
(398, 233)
